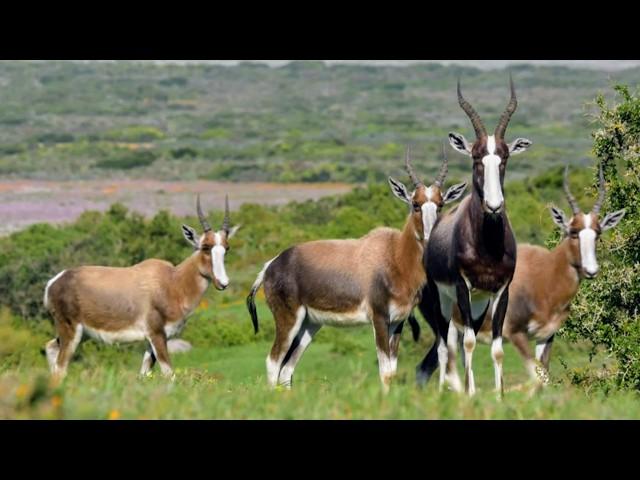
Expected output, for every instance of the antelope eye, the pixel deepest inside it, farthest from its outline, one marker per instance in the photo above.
(573, 234)
(416, 207)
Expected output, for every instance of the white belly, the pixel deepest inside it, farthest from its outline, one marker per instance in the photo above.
(359, 316)
(135, 333)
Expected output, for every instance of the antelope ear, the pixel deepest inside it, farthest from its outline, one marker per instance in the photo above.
(233, 231)
(559, 218)
(459, 143)
(399, 190)
(519, 145)
(454, 192)
(612, 219)
(191, 236)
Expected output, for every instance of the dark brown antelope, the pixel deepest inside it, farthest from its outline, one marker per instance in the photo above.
(471, 254)
(148, 301)
(544, 284)
(375, 279)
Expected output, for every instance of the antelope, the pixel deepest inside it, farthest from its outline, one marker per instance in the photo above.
(147, 301)
(471, 255)
(375, 279)
(546, 281)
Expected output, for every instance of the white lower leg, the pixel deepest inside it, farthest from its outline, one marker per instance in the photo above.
(452, 369)
(384, 367)
(497, 354)
(166, 370)
(286, 373)
(442, 361)
(394, 343)
(61, 367)
(273, 371)
(147, 360)
(52, 348)
(469, 346)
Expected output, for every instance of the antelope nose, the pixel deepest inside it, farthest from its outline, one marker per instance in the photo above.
(493, 208)
(590, 273)
(223, 285)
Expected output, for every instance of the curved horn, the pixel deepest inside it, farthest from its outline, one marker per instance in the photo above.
(201, 217)
(407, 163)
(444, 169)
(570, 198)
(601, 191)
(506, 116)
(226, 223)
(478, 126)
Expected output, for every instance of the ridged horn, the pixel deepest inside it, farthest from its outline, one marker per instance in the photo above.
(444, 169)
(407, 163)
(570, 198)
(226, 223)
(478, 126)
(201, 217)
(601, 192)
(506, 116)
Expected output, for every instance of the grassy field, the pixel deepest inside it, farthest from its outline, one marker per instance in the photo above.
(223, 377)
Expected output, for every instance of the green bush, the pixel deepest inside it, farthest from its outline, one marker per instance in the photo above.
(137, 133)
(607, 309)
(127, 160)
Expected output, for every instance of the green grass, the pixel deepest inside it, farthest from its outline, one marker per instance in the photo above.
(336, 379)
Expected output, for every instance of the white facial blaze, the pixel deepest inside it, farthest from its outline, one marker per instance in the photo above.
(217, 258)
(492, 189)
(587, 238)
(429, 216)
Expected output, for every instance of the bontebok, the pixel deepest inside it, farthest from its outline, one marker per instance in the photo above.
(375, 279)
(471, 255)
(148, 301)
(545, 282)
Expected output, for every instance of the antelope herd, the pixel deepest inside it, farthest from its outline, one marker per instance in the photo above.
(462, 266)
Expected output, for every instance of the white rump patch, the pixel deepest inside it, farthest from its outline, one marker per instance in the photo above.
(49, 283)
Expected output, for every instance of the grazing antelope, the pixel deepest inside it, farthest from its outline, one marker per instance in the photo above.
(374, 279)
(545, 282)
(471, 255)
(148, 301)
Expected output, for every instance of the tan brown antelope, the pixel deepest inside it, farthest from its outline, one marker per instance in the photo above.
(374, 279)
(148, 301)
(471, 255)
(544, 284)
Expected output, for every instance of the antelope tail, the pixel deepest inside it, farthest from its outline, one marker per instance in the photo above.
(251, 298)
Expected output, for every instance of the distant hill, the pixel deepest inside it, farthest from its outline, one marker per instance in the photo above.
(305, 121)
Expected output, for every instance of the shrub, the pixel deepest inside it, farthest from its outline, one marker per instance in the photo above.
(607, 309)
(138, 133)
(127, 160)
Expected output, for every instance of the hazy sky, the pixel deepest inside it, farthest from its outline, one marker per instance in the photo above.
(610, 65)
